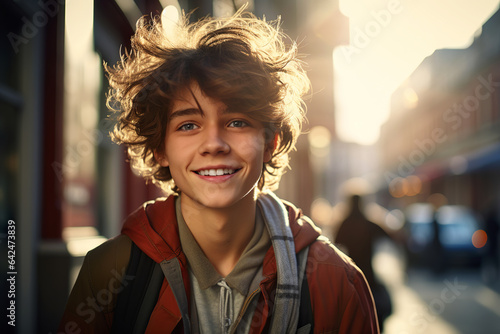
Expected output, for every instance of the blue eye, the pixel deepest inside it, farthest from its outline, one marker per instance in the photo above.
(187, 127)
(238, 124)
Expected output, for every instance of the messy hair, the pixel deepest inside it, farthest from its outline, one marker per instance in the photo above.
(242, 61)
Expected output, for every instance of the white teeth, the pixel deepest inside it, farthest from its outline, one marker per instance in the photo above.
(216, 172)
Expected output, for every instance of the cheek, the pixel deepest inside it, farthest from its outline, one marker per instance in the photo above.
(180, 153)
(252, 144)
(252, 150)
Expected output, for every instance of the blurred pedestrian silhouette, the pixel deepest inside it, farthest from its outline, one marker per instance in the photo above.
(357, 237)
(435, 252)
(492, 228)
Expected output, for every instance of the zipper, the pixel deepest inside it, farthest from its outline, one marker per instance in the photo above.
(244, 308)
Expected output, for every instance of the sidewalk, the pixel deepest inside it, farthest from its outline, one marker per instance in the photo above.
(455, 302)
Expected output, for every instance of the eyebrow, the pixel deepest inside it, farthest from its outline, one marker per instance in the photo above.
(185, 112)
(196, 111)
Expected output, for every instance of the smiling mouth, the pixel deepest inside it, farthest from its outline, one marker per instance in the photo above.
(216, 172)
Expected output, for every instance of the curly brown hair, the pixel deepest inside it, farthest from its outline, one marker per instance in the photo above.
(245, 62)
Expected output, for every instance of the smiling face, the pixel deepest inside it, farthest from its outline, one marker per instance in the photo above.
(215, 155)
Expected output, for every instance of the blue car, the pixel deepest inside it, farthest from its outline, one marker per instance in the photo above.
(455, 226)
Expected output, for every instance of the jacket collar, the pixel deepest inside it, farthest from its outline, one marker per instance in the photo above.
(153, 228)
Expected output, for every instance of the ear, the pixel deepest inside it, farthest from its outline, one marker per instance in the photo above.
(161, 159)
(270, 147)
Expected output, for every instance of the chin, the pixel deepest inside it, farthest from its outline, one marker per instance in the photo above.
(222, 200)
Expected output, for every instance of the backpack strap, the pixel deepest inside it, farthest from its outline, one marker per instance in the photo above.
(172, 271)
(136, 301)
(306, 317)
(138, 298)
(150, 300)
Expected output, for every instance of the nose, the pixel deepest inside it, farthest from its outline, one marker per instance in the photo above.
(214, 142)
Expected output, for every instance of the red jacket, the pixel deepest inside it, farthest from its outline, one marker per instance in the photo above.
(340, 298)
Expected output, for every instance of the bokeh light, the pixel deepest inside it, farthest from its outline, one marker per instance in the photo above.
(479, 238)
(398, 187)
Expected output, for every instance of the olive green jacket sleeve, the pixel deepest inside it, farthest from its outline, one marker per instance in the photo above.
(92, 300)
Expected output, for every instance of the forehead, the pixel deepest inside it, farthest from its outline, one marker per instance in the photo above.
(193, 96)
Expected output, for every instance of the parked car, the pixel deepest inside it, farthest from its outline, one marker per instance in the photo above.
(455, 227)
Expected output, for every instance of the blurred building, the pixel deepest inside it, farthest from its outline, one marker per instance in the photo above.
(63, 182)
(318, 26)
(443, 135)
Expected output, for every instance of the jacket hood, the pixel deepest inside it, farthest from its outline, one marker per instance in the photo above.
(304, 231)
(153, 228)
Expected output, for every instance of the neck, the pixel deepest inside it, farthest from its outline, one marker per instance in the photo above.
(222, 234)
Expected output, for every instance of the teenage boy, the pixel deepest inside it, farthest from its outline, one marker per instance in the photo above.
(209, 112)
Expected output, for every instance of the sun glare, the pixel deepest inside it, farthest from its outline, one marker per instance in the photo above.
(388, 40)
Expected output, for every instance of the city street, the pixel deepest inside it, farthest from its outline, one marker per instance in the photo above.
(454, 302)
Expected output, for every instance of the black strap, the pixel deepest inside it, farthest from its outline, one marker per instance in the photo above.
(150, 300)
(142, 289)
(306, 316)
